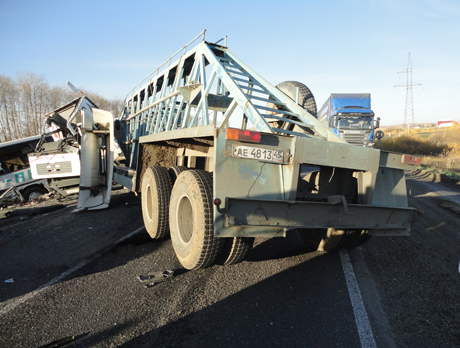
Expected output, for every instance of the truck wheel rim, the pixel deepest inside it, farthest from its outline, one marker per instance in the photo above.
(34, 195)
(185, 218)
(149, 203)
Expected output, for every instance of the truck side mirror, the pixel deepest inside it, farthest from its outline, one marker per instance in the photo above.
(379, 135)
(331, 122)
(377, 123)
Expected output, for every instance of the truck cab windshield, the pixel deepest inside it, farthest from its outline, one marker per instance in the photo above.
(361, 122)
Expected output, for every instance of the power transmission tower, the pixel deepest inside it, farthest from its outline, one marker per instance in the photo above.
(409, 115)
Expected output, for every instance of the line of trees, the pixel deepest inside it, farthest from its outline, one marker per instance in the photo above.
(25, 100)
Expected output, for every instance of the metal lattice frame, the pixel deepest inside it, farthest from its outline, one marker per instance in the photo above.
(409, 114)
(181, 97)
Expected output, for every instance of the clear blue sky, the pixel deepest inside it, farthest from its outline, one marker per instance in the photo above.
(332, 46)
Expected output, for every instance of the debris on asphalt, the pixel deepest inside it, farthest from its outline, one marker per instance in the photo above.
(152, 279)
(63, 341)
(9, 280)
(10, 197)
(35, 211)
(60, 342)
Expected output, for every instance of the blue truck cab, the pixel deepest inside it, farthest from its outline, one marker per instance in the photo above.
(350, 116)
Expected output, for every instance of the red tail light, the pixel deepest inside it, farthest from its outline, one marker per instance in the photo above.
(243, 135)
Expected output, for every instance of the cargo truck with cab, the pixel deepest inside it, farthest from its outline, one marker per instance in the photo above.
(350, 116)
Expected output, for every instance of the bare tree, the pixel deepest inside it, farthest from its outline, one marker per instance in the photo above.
(59, 95)
(116, 105)
(112, 105)
(24, 102)
(34, 91)
(10, 125)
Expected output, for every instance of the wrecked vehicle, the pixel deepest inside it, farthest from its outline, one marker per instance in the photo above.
(214, 170)
(15, 173)
(59, 161)
(17, 182)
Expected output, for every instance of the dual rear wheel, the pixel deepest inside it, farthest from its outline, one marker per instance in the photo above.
(180, 202)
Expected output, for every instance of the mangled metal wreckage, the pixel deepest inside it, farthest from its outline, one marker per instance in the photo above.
(17, 184)
(76, 141)
(220, 156)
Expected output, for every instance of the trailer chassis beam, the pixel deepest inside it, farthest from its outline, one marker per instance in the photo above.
(298, 214)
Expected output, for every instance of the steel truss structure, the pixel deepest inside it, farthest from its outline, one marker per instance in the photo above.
(209, 85)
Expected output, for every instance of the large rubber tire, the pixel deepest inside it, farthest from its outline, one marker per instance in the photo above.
(191, 220)
(325, 239)
(306, 98)
(155, 195)
(235, 250)
(31, 193)
(175, 171)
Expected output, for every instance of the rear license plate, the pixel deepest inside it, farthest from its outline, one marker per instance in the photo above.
(257, 153)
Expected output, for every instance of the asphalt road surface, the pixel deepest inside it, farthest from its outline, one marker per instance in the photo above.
(63, 275)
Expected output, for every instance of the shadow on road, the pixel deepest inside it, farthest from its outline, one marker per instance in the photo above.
(302, 306)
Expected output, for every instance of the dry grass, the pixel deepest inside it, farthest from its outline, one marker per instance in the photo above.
(440, 150)
(444, 163)
(412, 144)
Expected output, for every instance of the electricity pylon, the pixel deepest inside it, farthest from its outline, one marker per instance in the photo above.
(409, 115)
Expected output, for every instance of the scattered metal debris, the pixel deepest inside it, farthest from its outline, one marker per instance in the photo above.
(152, 279)
(9, 280)
(63, 341)
(60, 342)
(35, 211)
(10, 197)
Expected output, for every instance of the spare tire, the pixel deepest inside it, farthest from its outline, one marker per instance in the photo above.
(306, 101)
(306, 98)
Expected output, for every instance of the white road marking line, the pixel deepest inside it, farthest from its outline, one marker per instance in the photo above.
(20, 300)
(362, 321)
